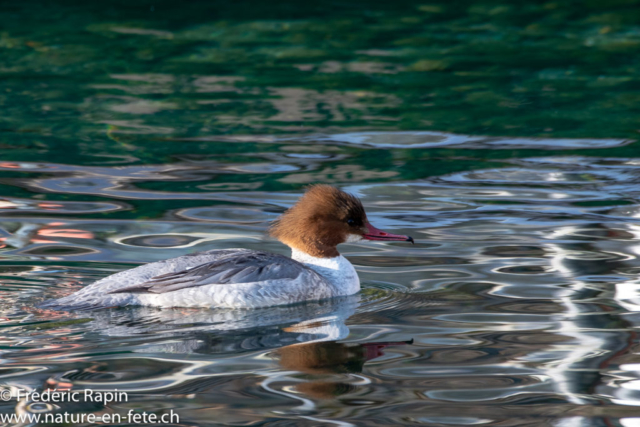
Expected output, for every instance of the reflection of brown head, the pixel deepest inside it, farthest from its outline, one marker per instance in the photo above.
(324, 358)
(331, 356)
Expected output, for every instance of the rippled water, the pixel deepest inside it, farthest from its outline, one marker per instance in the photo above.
(502, 137)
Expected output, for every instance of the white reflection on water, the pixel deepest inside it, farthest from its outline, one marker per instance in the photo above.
(428, 139)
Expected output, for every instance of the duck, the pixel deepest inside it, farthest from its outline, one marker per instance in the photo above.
(323, 218)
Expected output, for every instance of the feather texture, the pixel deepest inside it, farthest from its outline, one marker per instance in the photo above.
(230, 268)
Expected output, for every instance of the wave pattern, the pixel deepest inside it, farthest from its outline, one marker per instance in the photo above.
(519, 300)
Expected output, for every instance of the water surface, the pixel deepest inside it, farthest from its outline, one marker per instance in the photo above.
(502, 137)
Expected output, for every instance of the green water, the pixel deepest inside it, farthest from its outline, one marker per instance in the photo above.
(500, 135)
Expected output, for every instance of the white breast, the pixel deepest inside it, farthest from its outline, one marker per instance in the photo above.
(337, 270)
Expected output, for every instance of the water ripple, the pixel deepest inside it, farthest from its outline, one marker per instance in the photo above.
(521, 288)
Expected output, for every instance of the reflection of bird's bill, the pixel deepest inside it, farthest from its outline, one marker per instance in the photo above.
(374, 349)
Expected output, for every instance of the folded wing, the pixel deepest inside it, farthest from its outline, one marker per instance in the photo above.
(232, 268)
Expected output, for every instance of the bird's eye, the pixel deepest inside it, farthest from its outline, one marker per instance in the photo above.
(351, 222)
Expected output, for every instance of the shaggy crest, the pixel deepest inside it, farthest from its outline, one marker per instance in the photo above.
(323, 218)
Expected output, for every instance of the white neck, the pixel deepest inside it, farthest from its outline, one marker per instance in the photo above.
(337, 270)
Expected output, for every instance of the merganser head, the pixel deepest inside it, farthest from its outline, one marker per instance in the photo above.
(323, 218)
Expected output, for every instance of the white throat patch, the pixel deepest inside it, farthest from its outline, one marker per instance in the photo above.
(352, 238)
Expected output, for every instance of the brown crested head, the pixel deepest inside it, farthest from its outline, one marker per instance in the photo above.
(323, 218)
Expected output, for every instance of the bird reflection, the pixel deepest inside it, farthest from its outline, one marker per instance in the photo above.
(301, 337)
(217, 331)
(327, 358)
(167, 346)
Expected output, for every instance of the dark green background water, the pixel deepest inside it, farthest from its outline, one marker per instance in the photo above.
(501, 135)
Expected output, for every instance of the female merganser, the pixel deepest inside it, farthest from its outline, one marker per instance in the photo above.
(323, 218)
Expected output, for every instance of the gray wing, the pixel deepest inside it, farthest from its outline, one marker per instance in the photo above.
(232, 268)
